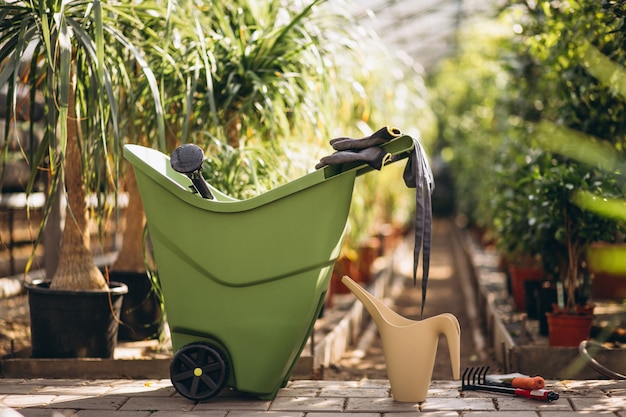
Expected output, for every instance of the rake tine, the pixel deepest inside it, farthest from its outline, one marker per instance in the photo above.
(475, 374)
(466, 379)
(483, 376)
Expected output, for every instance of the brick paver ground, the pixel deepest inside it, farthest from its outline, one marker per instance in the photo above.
(305, 398)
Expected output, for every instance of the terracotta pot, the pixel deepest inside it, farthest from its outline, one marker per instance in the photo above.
(368, 253)
(569, 329)
(519, 275)
(609, 286)
(344, 266)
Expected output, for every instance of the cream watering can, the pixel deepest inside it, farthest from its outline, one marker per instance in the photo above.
(410, 346)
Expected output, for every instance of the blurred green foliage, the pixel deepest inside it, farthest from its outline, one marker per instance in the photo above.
(552, 137)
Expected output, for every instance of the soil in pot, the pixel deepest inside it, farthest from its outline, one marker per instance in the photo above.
(142, 314)
(609, 287)
(74, 324)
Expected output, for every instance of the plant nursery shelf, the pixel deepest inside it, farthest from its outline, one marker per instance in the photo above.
(516, 341)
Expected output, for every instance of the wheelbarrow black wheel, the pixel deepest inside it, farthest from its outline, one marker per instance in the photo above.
(198, 371)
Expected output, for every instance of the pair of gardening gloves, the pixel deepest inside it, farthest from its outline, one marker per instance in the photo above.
(417, 174)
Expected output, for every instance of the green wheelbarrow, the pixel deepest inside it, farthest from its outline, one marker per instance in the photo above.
(243, 280)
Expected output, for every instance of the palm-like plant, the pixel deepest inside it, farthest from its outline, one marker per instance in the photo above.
(76, 55)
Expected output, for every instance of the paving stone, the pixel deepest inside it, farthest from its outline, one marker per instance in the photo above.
(339, 414)
(492, 414)
(233, 403)
(477, 394)
(79, 390)
(599, 404)
(138, 390)
(323, 384)
(62, 382)
(619, 392)
(578, 414)
(593, 383)
(298, 392)
(214, 413)
(43, 412)
(307, 404)
(18, 387)
(436, 414)
(269, 413)
(518, 403)
(306, 383)
(586, 388)
(9, 412)
(355, 392)
(108, 402)
(23, 401)
(374, 383)
(379, 405)
(98, 413)
(458, 404)
(157, 404)
(443, 393)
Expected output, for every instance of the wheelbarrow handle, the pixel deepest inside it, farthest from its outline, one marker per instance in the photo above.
(397, 149)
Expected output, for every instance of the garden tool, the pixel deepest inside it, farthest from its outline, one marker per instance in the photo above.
(271, 301)
(410, 346)
(474, 379)
(187, 159)
(516, 380)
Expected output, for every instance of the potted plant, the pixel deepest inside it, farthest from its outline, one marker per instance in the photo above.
(518, 228)
(73, 53)
(571, 230)
(142, 315)
(560, 82)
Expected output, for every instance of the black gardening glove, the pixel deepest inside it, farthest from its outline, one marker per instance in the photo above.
(377, 138)
(417, 174)
(374, 156)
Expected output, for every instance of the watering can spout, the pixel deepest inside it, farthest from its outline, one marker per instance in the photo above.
(381, 313)
(410, 346)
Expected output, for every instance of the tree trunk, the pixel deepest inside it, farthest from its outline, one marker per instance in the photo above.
(131, 255)
(76, 269)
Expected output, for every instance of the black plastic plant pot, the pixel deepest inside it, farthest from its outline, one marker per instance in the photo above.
(74, 324)
(142, 314)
